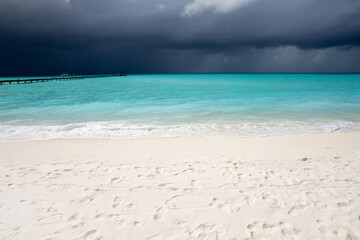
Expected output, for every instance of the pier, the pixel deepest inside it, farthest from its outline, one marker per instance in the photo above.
(58, 78)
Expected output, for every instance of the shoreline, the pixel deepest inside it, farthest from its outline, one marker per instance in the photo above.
(303, 186)
(308, 141)
(123, 131)
(218, 136)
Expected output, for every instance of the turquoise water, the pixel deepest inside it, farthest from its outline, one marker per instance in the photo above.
(139, 106)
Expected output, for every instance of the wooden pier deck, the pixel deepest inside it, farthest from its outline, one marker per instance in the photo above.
(59, 78)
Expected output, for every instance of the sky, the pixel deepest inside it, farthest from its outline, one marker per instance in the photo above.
(50, 37)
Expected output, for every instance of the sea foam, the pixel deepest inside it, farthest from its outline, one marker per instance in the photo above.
(118, 130)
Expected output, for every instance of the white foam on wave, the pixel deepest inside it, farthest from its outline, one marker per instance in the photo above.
(118, 130)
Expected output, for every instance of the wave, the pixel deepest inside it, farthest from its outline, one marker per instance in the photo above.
(118, 130)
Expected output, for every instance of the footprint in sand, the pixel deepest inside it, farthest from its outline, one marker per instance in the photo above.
(101, 215)
(206, 231)
(345, 204)
(154, 237)
(189, 170)
(113, 180)
(130, 224)
(75, 220)
(73, 217)
(332, 231)
(171, 201)
(221, 205)
(160, 170)
(274, 202)
(266, 230)
(116, 202)
(159, 213)
(91, 235)
(302, 207)
(163, 185)
(229, 174)
(85, 200)
(130, 205)
(199, 182)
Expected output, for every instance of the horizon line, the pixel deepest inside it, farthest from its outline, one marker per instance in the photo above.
(335, 73)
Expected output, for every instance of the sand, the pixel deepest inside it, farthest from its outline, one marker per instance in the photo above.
(287, 187)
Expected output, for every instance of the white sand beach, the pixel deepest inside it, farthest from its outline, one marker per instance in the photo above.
(285, 187)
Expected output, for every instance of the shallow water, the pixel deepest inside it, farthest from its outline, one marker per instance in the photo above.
(168, 105)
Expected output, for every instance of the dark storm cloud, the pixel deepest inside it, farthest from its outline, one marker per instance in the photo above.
(93, 36)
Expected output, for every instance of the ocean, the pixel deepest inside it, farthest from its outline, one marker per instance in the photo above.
(172, 105)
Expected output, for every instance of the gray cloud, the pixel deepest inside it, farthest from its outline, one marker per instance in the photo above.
(219, 6)
(92, 36)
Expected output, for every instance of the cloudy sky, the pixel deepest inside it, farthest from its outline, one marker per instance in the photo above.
(47, 37)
